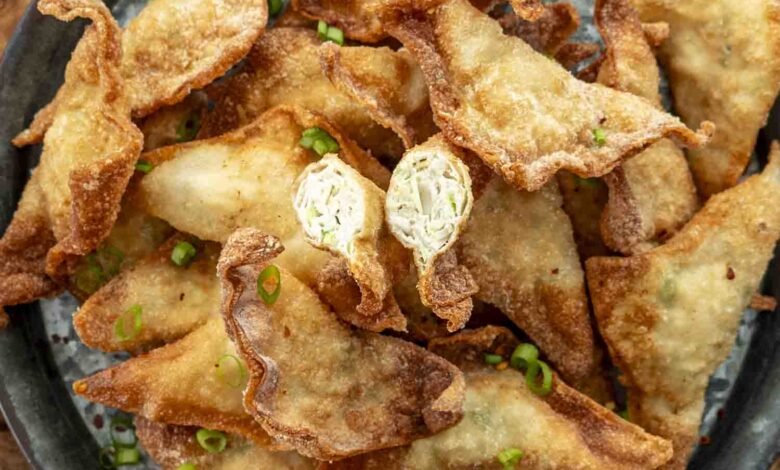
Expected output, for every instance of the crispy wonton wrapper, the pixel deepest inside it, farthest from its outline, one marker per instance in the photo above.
(501, 413)
(651, 195)
(549, 33)
(670, 316)
(521, 112)
(519, 248)
(284, 68)
(171, 446)
(723, 61)
(175, 300)
(428, 205)
(343, 212)
(328, 390)
(584, 200)
(174, 124)
(179, 384)
(240, 179)
(169, 49)
(74, 194)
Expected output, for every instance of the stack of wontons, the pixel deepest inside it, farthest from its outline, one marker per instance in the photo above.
(375, 243)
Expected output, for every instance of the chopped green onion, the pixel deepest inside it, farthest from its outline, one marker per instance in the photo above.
(106, 457)
(320, 147)
(212, 442)
(110, 259)
(625, 415)
(318, 140)
(133, 314)
(531, 378)
(143, 166)
(509, 457)
(599, 137)
(122, 433)
(587, 182)
(322, 30)
(223, 370)
(335, 35)
(274, 7)
(524, 355)
(188, 128)
(187, 466)
(493, 359)
(125, 456)
(183, 253)
(271, 272)
(328, 238)
(89, 278)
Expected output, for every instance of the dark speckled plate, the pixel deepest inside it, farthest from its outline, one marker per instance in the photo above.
(40, 355)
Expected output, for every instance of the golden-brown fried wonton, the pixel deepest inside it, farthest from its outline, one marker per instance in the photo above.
(174, 300)
(171, 48)
(520, 111)
(171, 446)
(388, 83)
(652, 194)
(670, 316)
(179, 383)
(284, 68)
(583, 201)
(174, 124)
(724, 66)
(243, 179)
(519, 248)
(329, 390)
(564, 429)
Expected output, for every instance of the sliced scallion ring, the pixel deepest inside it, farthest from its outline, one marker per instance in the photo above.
(531, 376)
(127, 456)
(212, 441)
(231, 371)
(493, 359)
(270, 273)
(144, 166)
(182, 253)
(106, 457)
(130, 319)
(122, 431)
(508, 458)
(187, 466)
(274, 7)
(524, 355)
(188, 128)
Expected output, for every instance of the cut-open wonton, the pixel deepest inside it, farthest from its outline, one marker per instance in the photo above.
(521, 112)
(670, 316)
(329, 390)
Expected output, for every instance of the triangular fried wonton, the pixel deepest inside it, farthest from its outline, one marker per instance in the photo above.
(670, 316)
(87, 160)
(723, 66)
(564, 429)
(328, 390)
(652, 194)
(521, 112)
(180, 383)
(167, 51)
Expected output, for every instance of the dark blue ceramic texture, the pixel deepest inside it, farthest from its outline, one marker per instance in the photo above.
(33, 395)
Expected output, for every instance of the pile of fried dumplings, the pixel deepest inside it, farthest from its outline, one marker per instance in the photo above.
(412, 234)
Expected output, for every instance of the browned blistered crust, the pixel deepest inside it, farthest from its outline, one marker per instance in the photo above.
(447, 288)
(548, 33)
(425, 395)
(476, 123)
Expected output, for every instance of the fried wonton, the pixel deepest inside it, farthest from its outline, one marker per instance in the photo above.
(564, 429)
(670, 316)
(174, 300)
(243, 179)
(519, 248)
(171, 48)
(179, 383)
(723, 65)
(388, 83)
(652, 194)
(548, 33)
(328, 390)
(428, 205)
(522, 113)
(284, 68)
(584, 200)
(174, 124)
(171, 446)
(343, 212)
(88, 158)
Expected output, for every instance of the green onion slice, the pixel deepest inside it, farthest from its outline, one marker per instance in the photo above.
(524, 355)
(188, 128)
(335, 35)
(625, 415)
(122, 432)
(274, 7)
(132, 317)
(231, 371)
(322, 30)
(143, 166)
(110, 258)
(212, 442)
(531, 378)
(509, 457)
(599, 137)
(182, 253)
(106, 457)
(125, 456)
(493, 359)
(271, 272)
(187, 466)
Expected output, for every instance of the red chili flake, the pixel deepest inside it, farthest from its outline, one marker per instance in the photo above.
(730, 274)
(705, 440)
(286, 332)
(97, 421)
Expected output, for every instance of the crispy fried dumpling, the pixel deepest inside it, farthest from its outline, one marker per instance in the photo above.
(428, 205)
(174, 124)
(521, 112)
(328, 390)
(723, 66)
(670, 316)
(343, 212)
